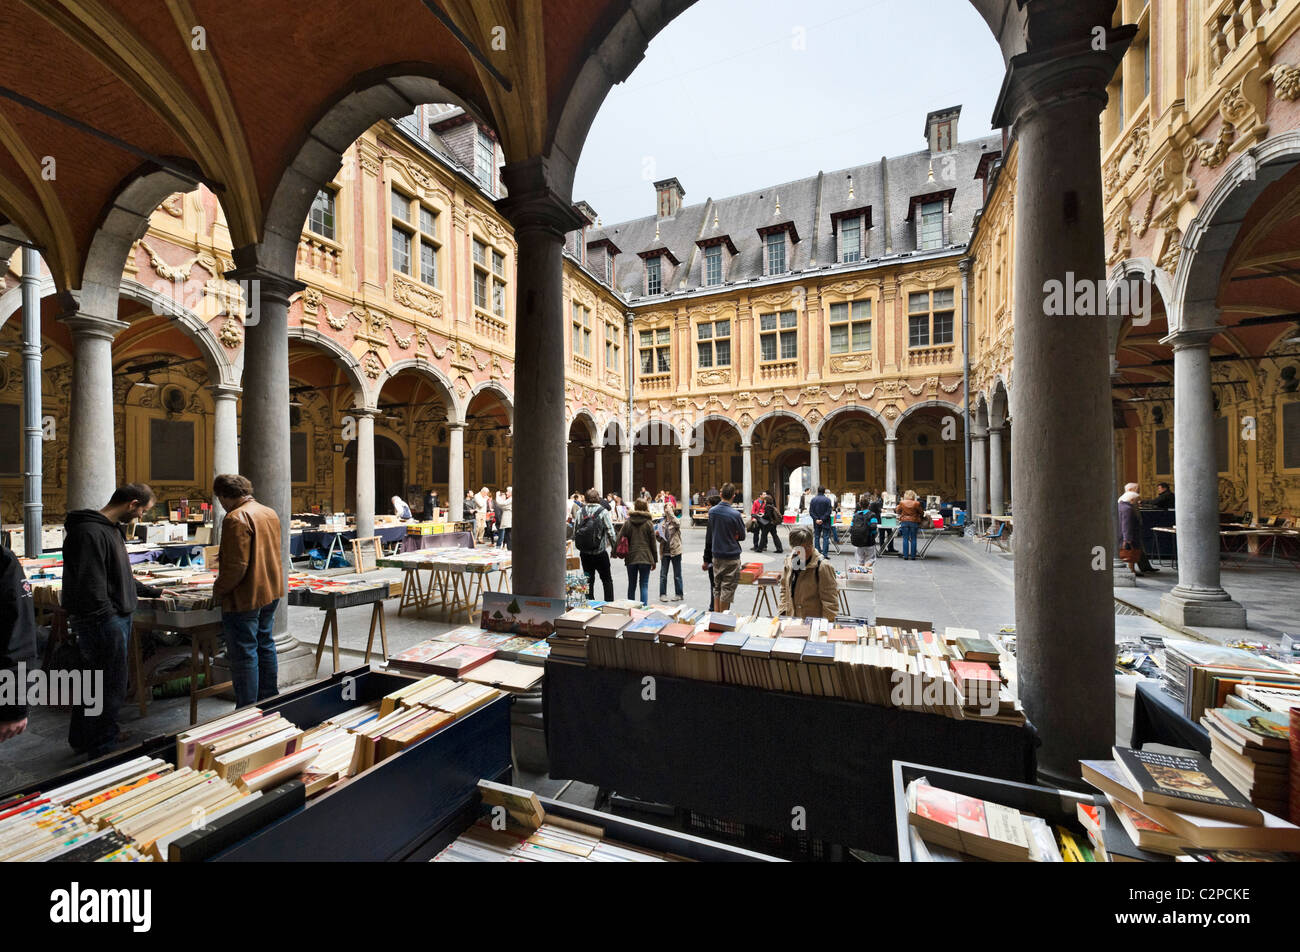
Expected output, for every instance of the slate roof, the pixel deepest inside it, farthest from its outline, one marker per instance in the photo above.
(886, 185)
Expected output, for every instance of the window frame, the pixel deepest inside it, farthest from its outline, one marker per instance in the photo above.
(772, 241)
(654, 344)
(654, 263)
(841, 254)
(712, 341)
(850, 321)
(778, 334)
(332, 212)
(712, 257)
(925, 209)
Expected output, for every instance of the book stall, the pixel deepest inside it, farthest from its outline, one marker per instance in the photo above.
(701, 736)
(331, 594)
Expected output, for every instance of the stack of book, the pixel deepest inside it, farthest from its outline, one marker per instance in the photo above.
(947, 826)
(569, 643)
(441, 657)
(1174, 804)
(956, 675)
(1203, 675)
(518, 831)
(127, 812)
(1253, 750)
(237, 743)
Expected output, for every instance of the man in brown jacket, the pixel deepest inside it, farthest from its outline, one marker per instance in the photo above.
(248, 586)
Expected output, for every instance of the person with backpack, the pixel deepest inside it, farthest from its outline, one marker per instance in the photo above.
(862, 531)
(642, 550)
(593, 534)
(809, 587)
(767, 523)
(669, 533)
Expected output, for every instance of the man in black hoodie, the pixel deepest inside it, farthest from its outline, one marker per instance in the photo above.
(99, 595)
(17, 636)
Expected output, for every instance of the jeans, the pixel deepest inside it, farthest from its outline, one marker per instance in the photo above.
(592, 564)
(676, 562)
(102, 643)
(822, 536)
(250, 649)
(503, 538)
(908, 531)
(638, 576)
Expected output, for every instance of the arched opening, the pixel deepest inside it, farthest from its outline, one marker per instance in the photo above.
(582, 454)
(390, 474)
(717, 456)
(781, 451)
(931, 452)
(489, 441)
(656, 459)
(852, 452)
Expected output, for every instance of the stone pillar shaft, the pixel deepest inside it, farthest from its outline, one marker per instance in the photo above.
(456, 471)
(626, 491)
(815, 463)
(225, 443)
(979, 475)
(92, 460)
(597, 469)
(686, 475)
(33, 447)
(891, 465)
(746, 473)
(365, 472)
(997, 489)
(1198, 598)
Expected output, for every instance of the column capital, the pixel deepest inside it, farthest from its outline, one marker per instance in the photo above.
(979, 436)
(454, 425)
(265, 282)
(814, 442)
(535, 202)
(225, 391)
(89, 325)
(746, 445)
(891, 437)
(368, 413)
(1070, 71)
(1192, 337)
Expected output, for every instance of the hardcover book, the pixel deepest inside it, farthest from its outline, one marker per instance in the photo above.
(1187, 784)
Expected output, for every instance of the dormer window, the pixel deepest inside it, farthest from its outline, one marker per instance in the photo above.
(718, 250)
(776, 246)
(775, 253)
(928, 214)
(849, 227)
(654, 278)
(485, 159)
(600, 259)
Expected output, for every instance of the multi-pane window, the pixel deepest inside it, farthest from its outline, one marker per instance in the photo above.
(930, 318)
(851, 240)
(713, 265)
(653, 275)
(489, 278)
(713, 343)
(778, 337)
(581, 331)
(485, 159)
(613, 345)
(931, 231)
(320, 219)
(656, 351)
(498, 283)
(775, 247)
(415, 238)
(850, 327)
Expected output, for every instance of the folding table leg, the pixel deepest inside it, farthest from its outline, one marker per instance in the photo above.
(194, 677)
(383, 628)
(137, 664)
(320, 646)
(334, 623)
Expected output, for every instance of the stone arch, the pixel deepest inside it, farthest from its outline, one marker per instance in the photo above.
(980, 415)
(616, 426)
(365, 396)
(220, 369)
(841, 411)
(592, 430)
(699, 422)
(748, 436)
(507, 399)
(387, 92)
(1212, 234)
(1150, 273)
(941, 404)
(11, 302)
(999, 403)
(124, 221)
(455, 408)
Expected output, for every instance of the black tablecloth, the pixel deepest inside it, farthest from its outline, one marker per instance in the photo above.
(754, 756)
(1158, 719)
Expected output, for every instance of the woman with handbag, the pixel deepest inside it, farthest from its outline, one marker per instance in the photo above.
(637, 544)
(669, 534)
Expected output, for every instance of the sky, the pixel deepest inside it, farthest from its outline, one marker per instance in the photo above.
(735, 95)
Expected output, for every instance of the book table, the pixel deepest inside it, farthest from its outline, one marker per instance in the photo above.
(331, 602)
(760, 757)
(456, 578)
(202, 630)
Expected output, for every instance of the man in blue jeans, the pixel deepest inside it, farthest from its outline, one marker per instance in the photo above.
(99, 595)
(249, 585)
(819, 510)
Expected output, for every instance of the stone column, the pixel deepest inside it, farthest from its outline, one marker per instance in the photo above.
(686, 475)
(542, 217)
(456, 471)
(997, 491)
(33, 447)
(92, 460)
(626, 492)
(597, 469)
(1198, 598)
(979, 479)
(225, 443)
(891, 464)
(746, 473)
(264, 431)
(815, 463)
(1065, 617)
(365, 417)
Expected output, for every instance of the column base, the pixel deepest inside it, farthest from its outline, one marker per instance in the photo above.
(294, 663)
(1205, 609)
(1123, 577)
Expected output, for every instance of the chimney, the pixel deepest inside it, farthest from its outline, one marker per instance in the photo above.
(941, 129)
(668, 197)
